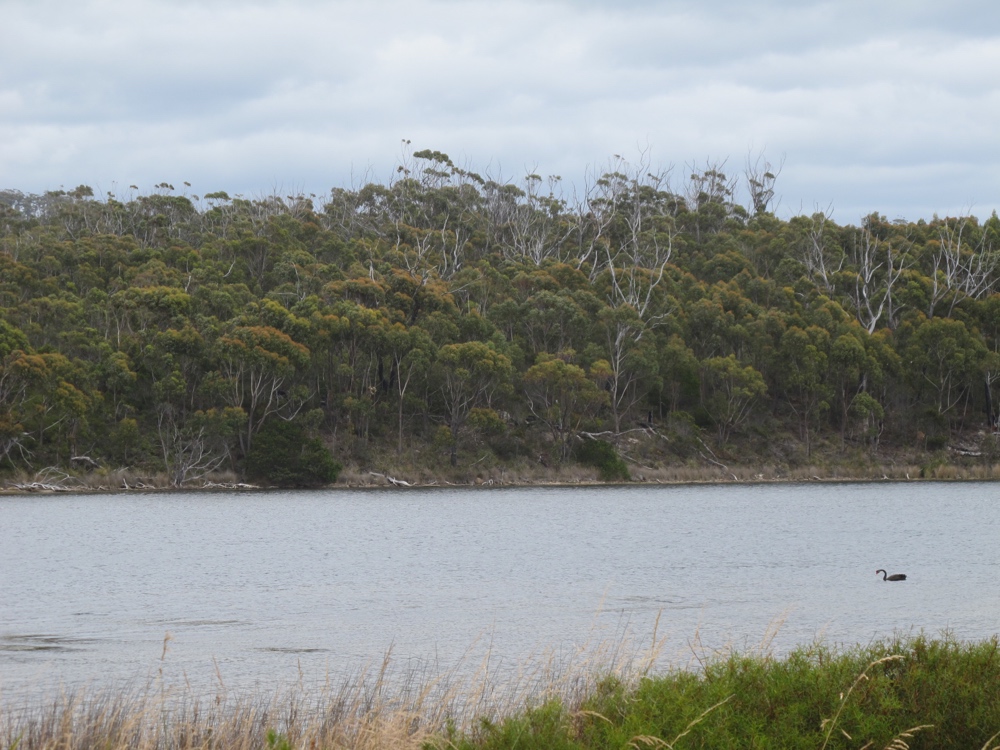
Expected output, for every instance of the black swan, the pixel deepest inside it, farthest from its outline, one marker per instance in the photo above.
(893, 577)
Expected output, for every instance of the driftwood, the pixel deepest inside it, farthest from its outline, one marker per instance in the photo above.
(967, 452)
(41, 487)
(49, 479)
(713, 460)
(392, 480)
(612, 433)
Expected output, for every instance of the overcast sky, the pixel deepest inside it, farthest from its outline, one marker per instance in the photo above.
(873, 105)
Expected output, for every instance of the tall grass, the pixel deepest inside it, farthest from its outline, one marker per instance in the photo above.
(897, 694)
(380, 706)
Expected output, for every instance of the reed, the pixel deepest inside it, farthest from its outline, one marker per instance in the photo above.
(379, 706)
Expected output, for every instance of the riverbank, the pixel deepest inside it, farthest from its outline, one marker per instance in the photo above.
(647, 456)
(902, 693)
(940, 466)
(139, 483)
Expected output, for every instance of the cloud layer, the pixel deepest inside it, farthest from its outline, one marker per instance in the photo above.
(889, 108)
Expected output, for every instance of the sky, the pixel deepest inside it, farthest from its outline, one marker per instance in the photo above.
(890, 106)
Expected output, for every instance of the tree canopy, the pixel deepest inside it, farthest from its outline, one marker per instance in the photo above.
(464, 317)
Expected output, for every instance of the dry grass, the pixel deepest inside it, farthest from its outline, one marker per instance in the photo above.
(519, 473)
(378, 707)
(381, 707)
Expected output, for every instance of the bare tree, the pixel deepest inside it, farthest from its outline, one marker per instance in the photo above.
(629, 216)
(960, 270)
(822, 258)
(633, 213)
(527, 223)
(596, 210)
(621, 213)
(187, 455)
(879, 268)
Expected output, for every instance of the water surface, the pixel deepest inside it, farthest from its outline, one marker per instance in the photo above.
(259, 588)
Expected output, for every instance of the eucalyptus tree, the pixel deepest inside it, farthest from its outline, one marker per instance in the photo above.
(432, 213)
(470, 375)
(730, 391)
(710, 200)
(44, 399)
(258, 365)
(412, 353)
(631, 359)
(851, 369)
(634, 212)
(14, 391)
(760, 176)
(804, 356)
(562, 396)
(946, 359)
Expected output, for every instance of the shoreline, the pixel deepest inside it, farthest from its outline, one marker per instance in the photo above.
(90, 484)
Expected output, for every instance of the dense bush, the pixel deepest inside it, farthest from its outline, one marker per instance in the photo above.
(905, 694)
(283, 455)
(602, 455)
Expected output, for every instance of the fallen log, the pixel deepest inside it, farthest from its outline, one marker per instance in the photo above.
(392, 480)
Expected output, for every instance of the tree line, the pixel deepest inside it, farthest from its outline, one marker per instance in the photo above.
(467, 317)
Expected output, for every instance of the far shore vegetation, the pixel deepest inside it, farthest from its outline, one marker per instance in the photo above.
(446, 327)
(391, 474)
(898, 694)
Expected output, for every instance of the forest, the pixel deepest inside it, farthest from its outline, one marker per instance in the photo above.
(446, 324)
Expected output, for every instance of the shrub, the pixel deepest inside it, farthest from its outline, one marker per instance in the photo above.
(602, 456)
(937, 442)
(285, 456)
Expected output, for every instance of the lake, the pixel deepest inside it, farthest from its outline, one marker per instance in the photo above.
(260, 589)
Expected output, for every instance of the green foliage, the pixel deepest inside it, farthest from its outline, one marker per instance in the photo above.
(504, 312)
(11, 339)
(543, 728)
(868, 414)
(486, 422)
(732, 390)
(277, 741)
(562, 396)
(916, 693)
(285, 456)
(126, 442)
(602, 456)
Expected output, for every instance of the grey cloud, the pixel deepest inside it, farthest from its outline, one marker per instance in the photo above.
(242, 96)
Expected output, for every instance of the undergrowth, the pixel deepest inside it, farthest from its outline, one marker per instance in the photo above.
(917, 693)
